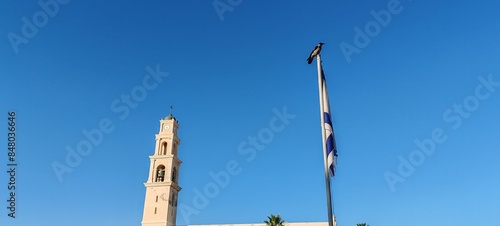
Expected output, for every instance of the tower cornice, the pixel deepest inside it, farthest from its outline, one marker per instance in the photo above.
(162, 185)
(166, 157)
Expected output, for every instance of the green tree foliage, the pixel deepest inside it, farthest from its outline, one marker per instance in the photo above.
(274, 220)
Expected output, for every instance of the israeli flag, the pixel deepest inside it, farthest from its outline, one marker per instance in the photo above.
(331, 148)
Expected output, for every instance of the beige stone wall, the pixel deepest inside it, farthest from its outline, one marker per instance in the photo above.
(262, 224)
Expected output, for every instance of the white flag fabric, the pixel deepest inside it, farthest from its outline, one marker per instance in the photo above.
(331, 148)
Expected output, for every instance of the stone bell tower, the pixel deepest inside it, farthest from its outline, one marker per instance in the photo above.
(160, 204)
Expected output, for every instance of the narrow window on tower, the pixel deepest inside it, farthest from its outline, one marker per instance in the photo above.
(174, 175)
(163, 149)
(156, 198)
(160, 173)
(155, 210)
(174, 200)
(174, 149)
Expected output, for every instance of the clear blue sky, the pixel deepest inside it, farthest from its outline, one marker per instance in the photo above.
(421, 75)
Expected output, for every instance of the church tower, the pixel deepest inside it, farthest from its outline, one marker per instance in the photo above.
(160, 204)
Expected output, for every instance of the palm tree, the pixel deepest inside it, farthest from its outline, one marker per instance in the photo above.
(274, 220)
(362, 224)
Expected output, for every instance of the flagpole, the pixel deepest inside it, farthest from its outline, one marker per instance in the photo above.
(322, 112)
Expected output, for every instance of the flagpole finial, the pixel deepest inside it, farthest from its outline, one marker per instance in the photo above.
(171, 109)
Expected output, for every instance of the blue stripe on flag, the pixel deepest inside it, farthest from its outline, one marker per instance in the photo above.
(331, 148)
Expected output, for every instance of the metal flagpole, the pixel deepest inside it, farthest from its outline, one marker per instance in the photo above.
(322, 113)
